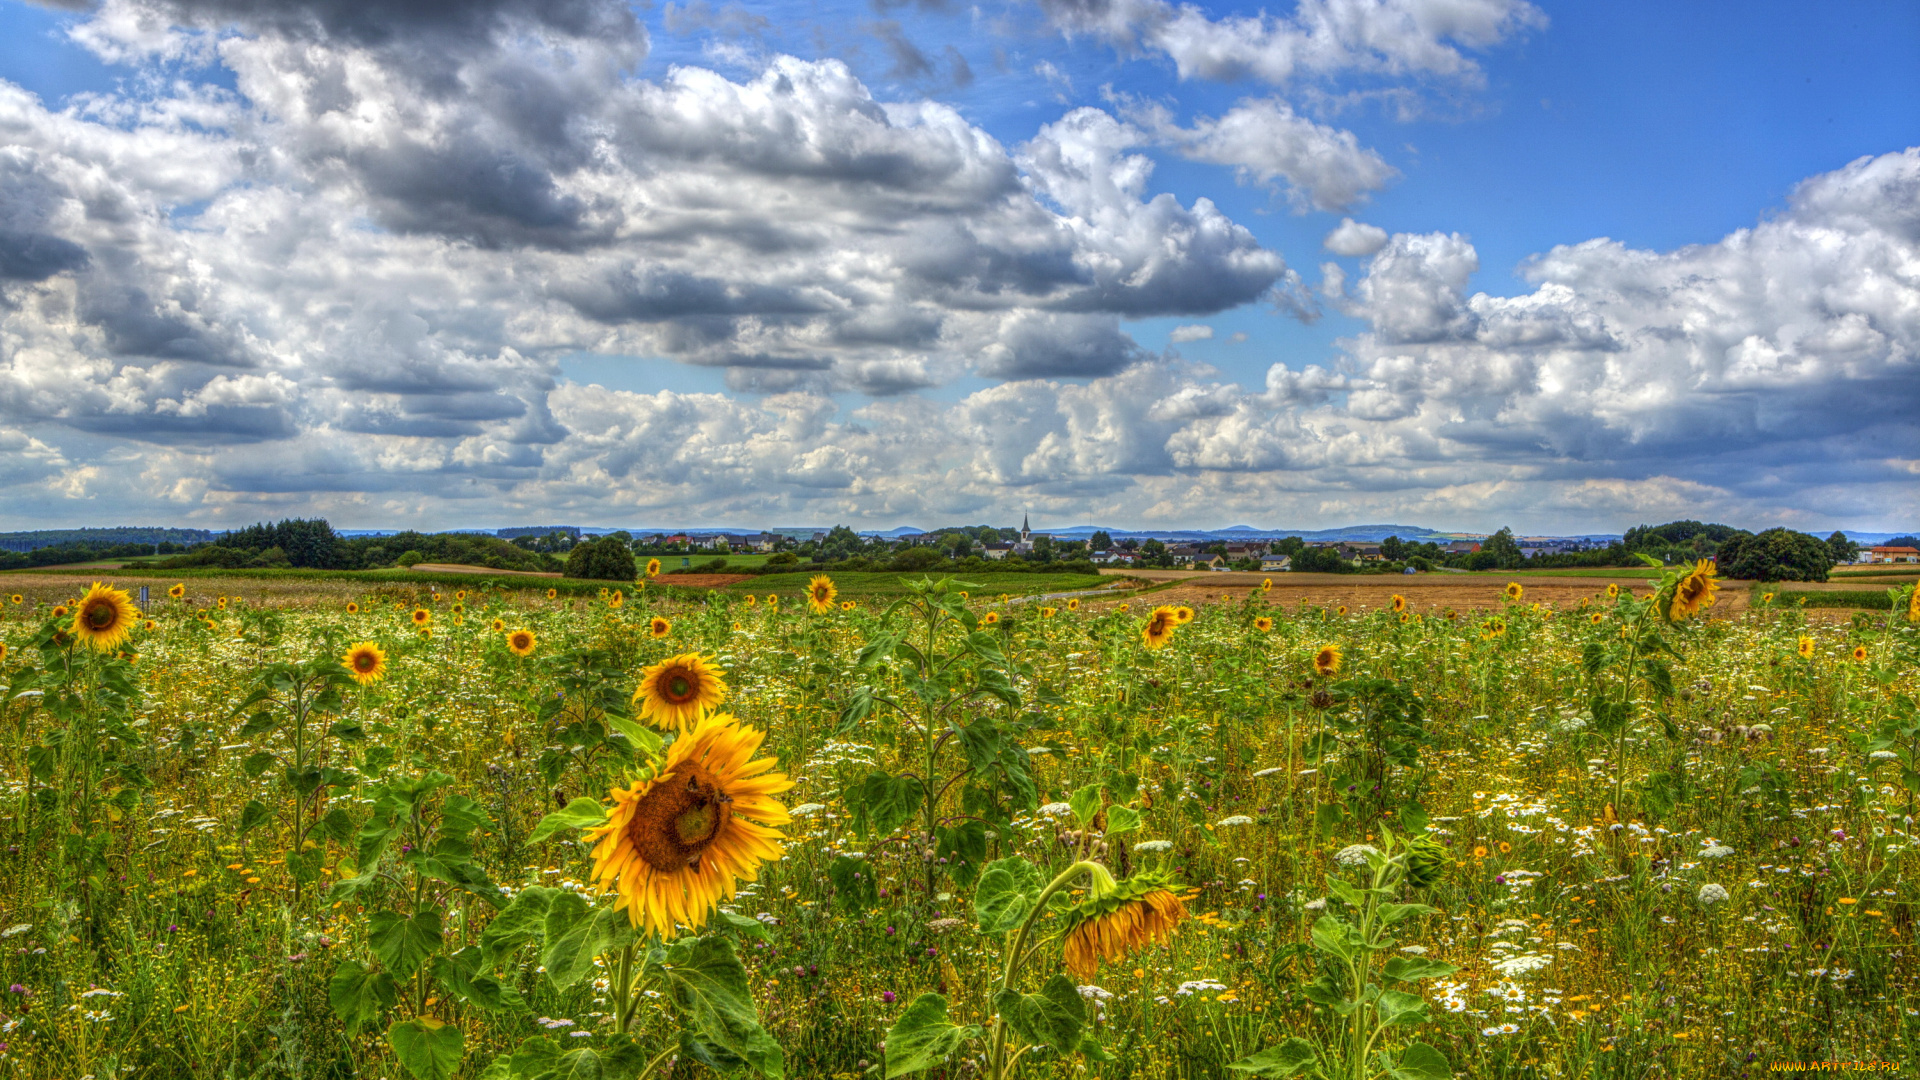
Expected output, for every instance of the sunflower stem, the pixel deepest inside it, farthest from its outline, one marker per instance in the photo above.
(997, 1060)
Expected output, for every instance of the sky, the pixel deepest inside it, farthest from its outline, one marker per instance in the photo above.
(1453, 263)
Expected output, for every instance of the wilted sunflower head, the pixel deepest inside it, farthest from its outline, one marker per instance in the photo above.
(1326, 660)
(1514, 591)
(104, 617)
(521, 642)
(820, 594)
(653, 567)
(177, 591)
(421, 616)
(1160, 626)
(1120, 920)
(676, 845)
(1695, 590)
(365, 661)
(1399, 602)
(659, 627)
(677, 691)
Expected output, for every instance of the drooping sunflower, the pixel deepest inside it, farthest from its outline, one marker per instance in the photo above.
(1326, 660)
(1514, 591)
(1263, 624)
(521, 642)
(1184, 614)
(820, 594)
(1115, 924)
(1694, 591)
(1806, 648)
(1860, 654)
(366, 662)
(1160, 627)
(677, 845)
(658, 626)
(421, 616)
(677, 691)
(177, 591)
(104, 617)
(653, 567)
(1613, 591)
(1399, 602)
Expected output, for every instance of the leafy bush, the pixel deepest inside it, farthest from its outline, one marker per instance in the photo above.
(605, 559)
(1775, 555)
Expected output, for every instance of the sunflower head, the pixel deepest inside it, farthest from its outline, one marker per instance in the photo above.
(1406, 617)
(1514, 591)
(366, 662)
(616, 599)
(677, 691)
(18, 599)
(521, 642)
(820, 594)
(177, 591)
(1913, 604)
(1326, 660)
(1341, 610)
(552, 593)
(1048, 613)
(1184, 614)
(3, 652)
(1695, 590)
(1596, 618)
(752, 599)
(1073, 603)
(1860, 653)
(1116, 922)
(1266, 584)
(460, 595)
(1160, 626)
(658, 626)
(426, 633)
(1124, 608)
(1263, 624)
(990, 618)
(678, 842)
(653, 567)
(353, 608)
(1806, 647)
(459, 609)
(60, 611)
(421, 616)
(1495, 627)
(847, 605)
(104, 617)
(223, 603)
(1399, 602)
(498, 626)
(1613, 591)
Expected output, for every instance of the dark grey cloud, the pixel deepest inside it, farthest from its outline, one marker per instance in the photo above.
(410, 24)
(26, 256)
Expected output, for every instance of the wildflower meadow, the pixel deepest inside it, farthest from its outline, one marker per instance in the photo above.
(513, 832)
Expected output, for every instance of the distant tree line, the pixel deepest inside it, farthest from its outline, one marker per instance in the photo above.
(311, 544)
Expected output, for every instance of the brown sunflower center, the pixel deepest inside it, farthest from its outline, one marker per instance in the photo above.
(99, 615)
(521, 641)
(679, 818)
(364, 662)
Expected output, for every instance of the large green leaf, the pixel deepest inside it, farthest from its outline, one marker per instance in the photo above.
(1422, 1062)
(1054, 1017)
(709, 984)
(403, 941)
(1005, 894)
(923, 1036)
(253, 815)
(1295, 1057)
(1331, 936)
(576, 932)
(522, 920)
(581, 813)
(1411, 968)
(428, 1048)
(359, 996)
(1085, 804)
(1399, 1007)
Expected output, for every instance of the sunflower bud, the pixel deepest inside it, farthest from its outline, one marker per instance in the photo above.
(1426, 861)
(1321, 700)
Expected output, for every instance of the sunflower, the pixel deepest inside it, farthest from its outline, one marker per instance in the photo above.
(653, 567)
(104, 617)
(365, 662)
(676, 845)
(658, 626)
(1514, 591)
(1496, 627)
(677, 691)
(421, 616)
(552, 593)
(1913, 604)
(1048, 613)
(820, 594)
(1860, 653)
(1124, 608)
(1266, 584)
(459, 609)
(60, 611)
(179, 590)
(1117, 923)
(1263, 624)
(3, 652)
(1073, 603)
(150, 624)
(1806, 647)
(353, 608)
(773, 600)
(1184, 614)
(461, 595)
(1405, 617)
(752, 599)
(1399, 602)
(990, 618)
(1326, 660)
(223, 603)
(1694, 591)
(847, 605)
(426, 633)
(1341, 610)
(521, 642)
(18, 599)
(1160, 626)
(1613, 591)
(1596, 618)
(617, 599)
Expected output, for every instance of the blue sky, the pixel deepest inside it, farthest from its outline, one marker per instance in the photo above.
(1658, 376)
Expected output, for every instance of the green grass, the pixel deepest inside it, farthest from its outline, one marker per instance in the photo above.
(204, 578)
(1846, 598)
(1583, 572)
(888, 583)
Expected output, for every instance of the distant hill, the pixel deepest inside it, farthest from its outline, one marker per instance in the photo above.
(107, 537)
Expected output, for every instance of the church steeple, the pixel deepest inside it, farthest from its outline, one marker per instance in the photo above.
(1025, 529)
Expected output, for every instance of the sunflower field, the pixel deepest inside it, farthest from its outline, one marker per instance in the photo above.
(517, 834)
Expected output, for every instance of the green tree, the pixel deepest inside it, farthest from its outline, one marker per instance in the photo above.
(605, 559)
(1842, 549)
(1393, 548)
(1100, 541)
(1776, 555)
(1505, 552)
